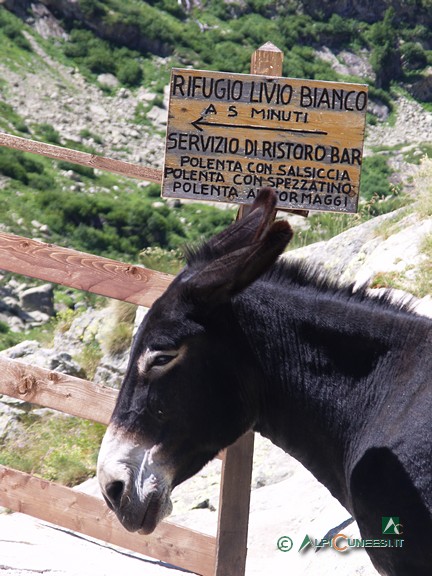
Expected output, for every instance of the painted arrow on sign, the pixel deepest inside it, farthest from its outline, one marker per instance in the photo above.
(203, 122)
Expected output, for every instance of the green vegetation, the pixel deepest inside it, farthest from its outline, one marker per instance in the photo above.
(223, 35)
(423, 187)
(96, 56)
(11, 34)
(119, 335)
(10, 120)
(168, 261)
(424, 269)
(109, 222)
(8, 337)
(90, 357)
(58, 448)
(377, 197)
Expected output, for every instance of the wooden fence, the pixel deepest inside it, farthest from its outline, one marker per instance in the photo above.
(224, 555)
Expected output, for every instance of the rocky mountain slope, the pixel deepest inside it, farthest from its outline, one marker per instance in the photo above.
(59, 96)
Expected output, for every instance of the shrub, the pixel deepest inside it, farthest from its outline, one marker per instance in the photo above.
(47, 133)
(375, 178)
(414, 56)
(10, 166)
(18, 165)
(93, 8)
(130, 73)
(11, 117)
(82, 170)
(13, 31)
(41, 181)
(385, 57)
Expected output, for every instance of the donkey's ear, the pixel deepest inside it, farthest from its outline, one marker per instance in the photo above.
(243, 253)
(241, 233)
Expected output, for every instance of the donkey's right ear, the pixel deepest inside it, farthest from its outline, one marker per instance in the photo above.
(220, 279)
(241, 233)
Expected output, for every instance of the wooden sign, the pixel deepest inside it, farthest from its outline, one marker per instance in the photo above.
(230, 134)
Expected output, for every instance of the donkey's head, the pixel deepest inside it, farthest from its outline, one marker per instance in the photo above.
(190, 388)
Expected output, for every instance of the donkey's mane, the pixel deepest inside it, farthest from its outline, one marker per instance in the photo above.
(197, 253)
(300, 274)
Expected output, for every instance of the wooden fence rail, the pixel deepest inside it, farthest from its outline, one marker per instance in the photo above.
(90, 515)
(62, 392)
(83, 158)
(80, 270)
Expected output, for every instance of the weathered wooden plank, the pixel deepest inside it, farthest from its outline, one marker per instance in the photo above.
(233, 519)
(228, 135)
(68, 394)
(82, 158)
(267, 60)
(80, 512)
(103, 276)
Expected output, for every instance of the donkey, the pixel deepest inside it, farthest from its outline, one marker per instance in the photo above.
(338, 379)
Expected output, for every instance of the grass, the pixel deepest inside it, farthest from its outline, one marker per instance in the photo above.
(118, 336)
(421, 285)
(55, 447)
(423, 281)
(423, 186)
(168, 261)
(418, 153)
(90, 357)
(388, 280)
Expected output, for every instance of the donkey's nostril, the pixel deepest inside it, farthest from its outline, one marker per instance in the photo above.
(114, 492)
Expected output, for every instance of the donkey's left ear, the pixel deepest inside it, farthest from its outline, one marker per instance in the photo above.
(227, 275)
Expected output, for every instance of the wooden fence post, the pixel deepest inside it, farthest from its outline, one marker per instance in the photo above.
(231, 545)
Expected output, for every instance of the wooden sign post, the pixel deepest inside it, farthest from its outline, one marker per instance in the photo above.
(228, 135)
(233, 521)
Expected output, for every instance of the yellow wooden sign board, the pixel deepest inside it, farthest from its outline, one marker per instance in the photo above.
(230, 134)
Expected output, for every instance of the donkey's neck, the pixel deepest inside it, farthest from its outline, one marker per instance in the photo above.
(320, 354)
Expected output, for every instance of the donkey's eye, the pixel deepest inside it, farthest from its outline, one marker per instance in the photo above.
(157, 359)
(162, 359)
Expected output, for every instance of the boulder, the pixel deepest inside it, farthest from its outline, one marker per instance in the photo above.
(422, 89)
(38, 298)
(390, 243)
(108, 80)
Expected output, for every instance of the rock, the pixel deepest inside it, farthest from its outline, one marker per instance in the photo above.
(98, 112)
(347, 63)
(359, 254)
(39, 298)
(8, 420)
(32, 352)
(62, 362)
(413, 125)
(111, 370)
(422, 89)
(45, 22)
(158, 115)
(108, 81)
(25, 348)
(378, 109)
